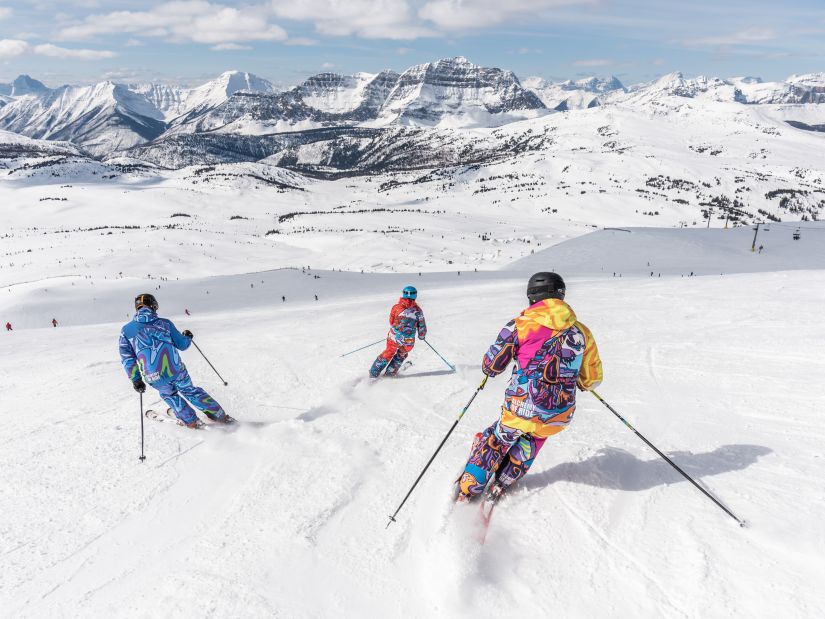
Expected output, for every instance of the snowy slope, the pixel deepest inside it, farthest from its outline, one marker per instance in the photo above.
(169, 99)
(250, 522)
(680, 252)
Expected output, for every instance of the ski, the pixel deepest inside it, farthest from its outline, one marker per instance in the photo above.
(486, 507)
(169, 417)
(487, 503)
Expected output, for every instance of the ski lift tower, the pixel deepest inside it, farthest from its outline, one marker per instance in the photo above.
(755, 232)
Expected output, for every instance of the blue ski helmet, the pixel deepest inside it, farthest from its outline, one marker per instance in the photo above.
(409, 292)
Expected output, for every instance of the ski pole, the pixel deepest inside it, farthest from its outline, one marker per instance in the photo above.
(444, 440)
(449, 365)
(142, 457)
(225, 384)
(362, 348)
(668, 460)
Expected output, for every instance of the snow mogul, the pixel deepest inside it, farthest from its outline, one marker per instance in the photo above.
(406, 318)
(553, 354)
(149, 348)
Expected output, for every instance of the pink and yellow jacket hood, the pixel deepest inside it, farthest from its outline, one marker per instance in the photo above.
(553, 353)
(556, 316)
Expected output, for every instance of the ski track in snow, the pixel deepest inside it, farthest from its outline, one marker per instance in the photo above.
(285, 515)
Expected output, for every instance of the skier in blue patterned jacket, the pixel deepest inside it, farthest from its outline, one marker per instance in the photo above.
(149, 348)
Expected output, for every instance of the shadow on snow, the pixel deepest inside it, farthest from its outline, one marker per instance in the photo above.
(618, 469)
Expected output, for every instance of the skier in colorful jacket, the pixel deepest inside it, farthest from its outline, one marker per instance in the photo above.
(554, 353)
(406, 318)
(149, 348)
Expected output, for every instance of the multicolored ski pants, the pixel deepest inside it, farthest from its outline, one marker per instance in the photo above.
(180, 387)
(392, 358)
(506, 451)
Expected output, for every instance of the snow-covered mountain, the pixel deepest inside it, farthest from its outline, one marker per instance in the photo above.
(23, 85)
(326, 99)
(206, 97)
(449, 94)
(342, 94)
(101, 118)
(452, 92)
(456, 92)
(573, 95)
(745, 90)
(168, 99)
(109, 117)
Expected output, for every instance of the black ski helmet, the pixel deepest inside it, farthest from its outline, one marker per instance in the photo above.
(545, 285)
(146, 300)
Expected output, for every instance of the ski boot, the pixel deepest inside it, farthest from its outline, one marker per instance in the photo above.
(378, 366)
(197, 424)
(394, 366)
(462, 498)
(224, 418)
(494, 492)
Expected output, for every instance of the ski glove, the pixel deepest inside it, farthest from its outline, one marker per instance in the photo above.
(187, 333)
(139, 386)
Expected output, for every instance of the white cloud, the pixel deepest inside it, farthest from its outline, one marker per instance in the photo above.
(369, 19)
(594, 62)
(327, 65)
(304, 41)
(11, 48)
(53, 51)
(5, 12)
(743, 37)
(229, 47)
(458, 15)
(195, 21)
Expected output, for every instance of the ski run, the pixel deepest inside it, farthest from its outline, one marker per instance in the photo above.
(285, 515)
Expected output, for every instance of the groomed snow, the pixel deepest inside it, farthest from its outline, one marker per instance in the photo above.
(286, 516)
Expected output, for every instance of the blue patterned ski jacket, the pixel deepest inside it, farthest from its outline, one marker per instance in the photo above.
(149, 347)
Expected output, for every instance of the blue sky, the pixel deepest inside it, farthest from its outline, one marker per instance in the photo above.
(188, 41)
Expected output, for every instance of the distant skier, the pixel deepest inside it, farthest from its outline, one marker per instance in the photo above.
(406, 317)
(8, 326)
(149, 348)
(553, 354)
(54, 322)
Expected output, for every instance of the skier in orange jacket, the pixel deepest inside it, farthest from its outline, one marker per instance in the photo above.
(406, 318)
